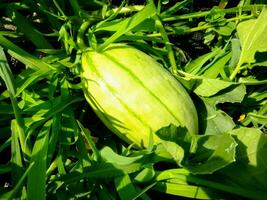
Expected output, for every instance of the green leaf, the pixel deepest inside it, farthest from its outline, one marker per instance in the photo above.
(111, 157)
(253, 37)
(194, 66)
(213, 121)
(260, 119)
(213, 153)
(234, 94)
(250, 169)
(174, 150)
(176, 141)
(214, 70)
(208, 87)
(24, 56)
(226, 29)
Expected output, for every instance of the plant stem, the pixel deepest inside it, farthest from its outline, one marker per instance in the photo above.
(168, 45)
(234, 73)
(205, 13)
(125, 10)
(80, 41)
(60, 10)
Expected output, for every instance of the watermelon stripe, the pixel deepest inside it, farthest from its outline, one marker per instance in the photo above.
(113, 93)
(142, 84)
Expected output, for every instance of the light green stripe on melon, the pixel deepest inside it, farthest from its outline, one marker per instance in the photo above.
(106, 120)
(111, 91)
(144, 86)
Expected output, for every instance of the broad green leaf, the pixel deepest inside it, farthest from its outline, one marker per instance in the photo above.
(208, 87)
(213, 153)
(194, 66)
(176, 141)
(233, 94)
(260, 119)
(253, 37)
(213, 121)
(111, 157)
(214, 70)
(250, 169)
(174, 150)
(226, 29)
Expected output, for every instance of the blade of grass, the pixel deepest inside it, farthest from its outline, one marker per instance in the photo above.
(6, 109)
(25, 26)
(168, 44)
(175, 8)
(125, 187)
(11, 194)
(36, 182)
(55, 106)
(53, 140)
(188, 191)
(199, 14)
(16, 158)
(23, 56)
(6, 144)
(141, 192)
(32, 78)
(5, 169)
(101, 171)
(8, 78)
(130, 23)
(87, 135)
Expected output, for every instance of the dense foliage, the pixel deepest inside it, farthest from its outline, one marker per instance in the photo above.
(52, 145)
